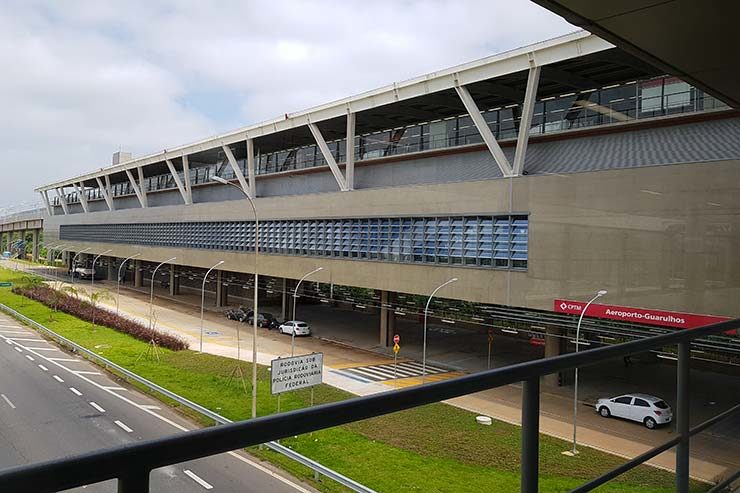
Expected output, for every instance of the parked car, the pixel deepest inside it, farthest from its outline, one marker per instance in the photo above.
(83, 273)
(300, 328)
(264, 320)
(237, 314)
(646, 409)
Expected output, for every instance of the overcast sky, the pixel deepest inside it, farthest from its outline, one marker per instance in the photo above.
(83, 79)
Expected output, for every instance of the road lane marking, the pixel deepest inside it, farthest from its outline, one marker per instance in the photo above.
(123, 427)
(25, 340)
(18, 349)
(21, 332)
(30, 358)
(58, 379)
(64, 360)
(9, 342)
(8, 401)
(81, 372)
(43, 348)
(197, 479)
(149, 406)
(97, 407)
(148, 410)
(43, 368)
(75, 391)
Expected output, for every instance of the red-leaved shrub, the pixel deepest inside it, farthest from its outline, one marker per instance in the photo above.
(85, 311)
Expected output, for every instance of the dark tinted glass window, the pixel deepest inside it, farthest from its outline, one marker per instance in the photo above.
(641, 403)
(660, 405)
(623, 400)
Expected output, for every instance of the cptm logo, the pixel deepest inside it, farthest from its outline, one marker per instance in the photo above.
(570, 306)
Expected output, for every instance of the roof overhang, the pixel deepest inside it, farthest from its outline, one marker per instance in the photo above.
(569, 46)
(692, 40)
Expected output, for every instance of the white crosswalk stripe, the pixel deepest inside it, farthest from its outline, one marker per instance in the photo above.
(379, 373)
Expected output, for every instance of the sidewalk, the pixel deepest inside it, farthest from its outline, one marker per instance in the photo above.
(712, 456)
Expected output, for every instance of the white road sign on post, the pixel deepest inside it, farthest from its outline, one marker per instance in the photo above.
(296, 372)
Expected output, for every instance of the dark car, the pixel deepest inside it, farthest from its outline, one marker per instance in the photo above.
(237, 314)
(264, 320)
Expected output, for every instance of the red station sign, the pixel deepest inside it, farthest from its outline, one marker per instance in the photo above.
(678, 320)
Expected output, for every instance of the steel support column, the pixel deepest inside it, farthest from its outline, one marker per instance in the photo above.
(328, 156)
(530, 435)
(80, 189)
(47, 204)
(682, 418)
(63, 200)
(250, 168)
(484, 131)
(246, 187)
(186, 178)
(178, 181)
(522, 141)
(105, 190)
(349, 151)
(138, 187)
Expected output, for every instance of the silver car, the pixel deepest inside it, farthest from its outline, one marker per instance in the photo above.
(295, 326)
(646, 409)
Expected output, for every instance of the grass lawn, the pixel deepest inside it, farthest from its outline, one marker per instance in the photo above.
(434, 448)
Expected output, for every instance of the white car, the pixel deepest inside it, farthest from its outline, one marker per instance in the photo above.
(646, 409)
(300, 328)
(83, 273)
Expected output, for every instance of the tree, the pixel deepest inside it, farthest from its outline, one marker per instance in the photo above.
(97, 297)
(29, 283)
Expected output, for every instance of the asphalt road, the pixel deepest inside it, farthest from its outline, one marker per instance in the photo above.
(53, 404)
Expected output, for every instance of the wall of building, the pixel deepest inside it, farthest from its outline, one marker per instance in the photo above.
(659, 237)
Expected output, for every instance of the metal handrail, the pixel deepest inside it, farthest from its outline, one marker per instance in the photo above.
(132, 463)
(217, 418)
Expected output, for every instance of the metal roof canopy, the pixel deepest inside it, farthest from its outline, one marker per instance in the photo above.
(572, 62)
(692, 40)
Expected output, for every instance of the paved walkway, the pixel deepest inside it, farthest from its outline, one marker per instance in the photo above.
(712, 455)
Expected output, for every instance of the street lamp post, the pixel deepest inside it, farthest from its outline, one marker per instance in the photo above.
(95, 259)
(151, 291)
(74, 262)
(599, 294)
(50, 251)
(426, 313)
(54, 262)
(203, 301)
(118, 278)
(295, 303)
(255, 311)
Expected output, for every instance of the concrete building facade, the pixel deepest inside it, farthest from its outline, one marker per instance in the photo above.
(581, 168)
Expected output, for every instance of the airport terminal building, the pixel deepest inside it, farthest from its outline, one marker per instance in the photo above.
(537, 177)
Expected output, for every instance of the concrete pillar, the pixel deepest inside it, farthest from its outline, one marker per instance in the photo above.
(112, 269)
(35, 245)
(138, 274)
(284, 301)
(222, 290)
(387, 318)
(174, 281)
(23, 238)
(553, 347)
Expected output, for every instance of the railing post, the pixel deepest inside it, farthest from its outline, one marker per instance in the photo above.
(682, 418)
(136, 481)
(530, 435)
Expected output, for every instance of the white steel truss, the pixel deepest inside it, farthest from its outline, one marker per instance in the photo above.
(80, 189)
(328, 156)
(178, 181)
(484, 131)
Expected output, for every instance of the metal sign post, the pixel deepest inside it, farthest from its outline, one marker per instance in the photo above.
(396, 348)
